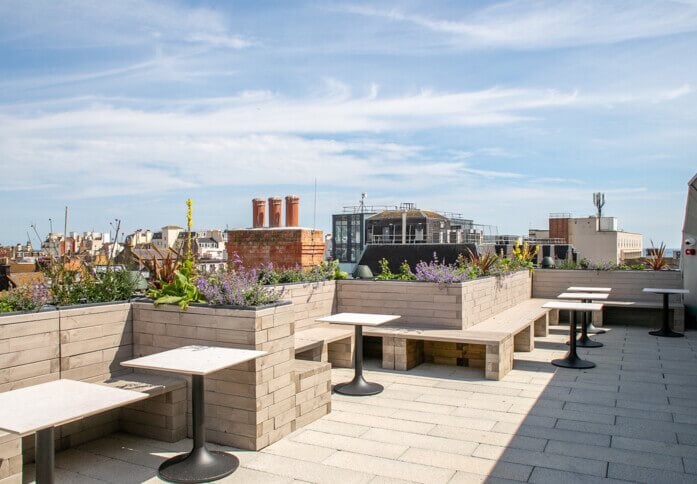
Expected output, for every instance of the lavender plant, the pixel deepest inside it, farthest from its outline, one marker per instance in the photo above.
(25, 298)
(241, 287)
(439, 272)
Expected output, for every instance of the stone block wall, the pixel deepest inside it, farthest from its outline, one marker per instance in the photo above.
(626, 285)
(313, 384)
(29, 349)
(282, 246)
(95, 340)
(456, 306)
(310, 301)
(10, 458)
(419, 303)
(485, 297)
(248, 406)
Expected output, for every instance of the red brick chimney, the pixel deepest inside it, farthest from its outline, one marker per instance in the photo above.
(292, 209)
(275, 211)
(258, 212)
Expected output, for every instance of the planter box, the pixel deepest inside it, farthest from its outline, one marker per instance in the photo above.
(251, 405)
(455, 306)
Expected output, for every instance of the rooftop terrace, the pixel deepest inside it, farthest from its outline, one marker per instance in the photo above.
(632, 418)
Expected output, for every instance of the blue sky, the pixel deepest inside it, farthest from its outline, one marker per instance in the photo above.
(502, 111)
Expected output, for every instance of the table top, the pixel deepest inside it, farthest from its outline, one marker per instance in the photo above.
(588, 289)
(659, 290)
(54, 403)
(359, 319)
(194, 360)
(573, 306)
(595, 296)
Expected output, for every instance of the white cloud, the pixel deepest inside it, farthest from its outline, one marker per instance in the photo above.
(120, 23)
(672, 94)
(548, 24)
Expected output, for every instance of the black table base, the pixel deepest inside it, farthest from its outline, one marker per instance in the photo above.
(201, 464)
(572, 360)
(45, 456)
(584, 341)
(358, 387)
(665, 330)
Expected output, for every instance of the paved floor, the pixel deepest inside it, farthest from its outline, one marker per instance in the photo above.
(633, 418)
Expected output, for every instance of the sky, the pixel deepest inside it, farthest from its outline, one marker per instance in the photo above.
(502, 111)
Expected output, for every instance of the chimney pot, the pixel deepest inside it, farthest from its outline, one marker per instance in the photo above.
(292, 210)
(275, 211)
(258, 212)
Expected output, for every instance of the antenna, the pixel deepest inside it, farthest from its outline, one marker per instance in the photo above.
(364, 195)
(314, 215)
(599, 202)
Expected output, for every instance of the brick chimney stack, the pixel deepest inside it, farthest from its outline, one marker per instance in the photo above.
(258, 212)
(275, 211)
(292, 209)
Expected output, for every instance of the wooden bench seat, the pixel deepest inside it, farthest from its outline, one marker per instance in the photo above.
(160, 417)
(677, 310)
(326, 343)
(489, 344)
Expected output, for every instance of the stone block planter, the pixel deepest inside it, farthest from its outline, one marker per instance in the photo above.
(456, 306)
(249, 406)
(311, 300)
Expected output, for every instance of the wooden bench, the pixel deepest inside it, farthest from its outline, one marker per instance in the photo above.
(160, 417)
(326, 343)
(488, 345)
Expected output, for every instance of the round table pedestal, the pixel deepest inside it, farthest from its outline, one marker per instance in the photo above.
(200, 465)
(576, 363)
(667, 333)
(358, 387)
(572, 360)
(665, 330)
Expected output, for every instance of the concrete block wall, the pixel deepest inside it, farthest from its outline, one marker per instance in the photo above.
(251, 405)
(626, 285)
(419, 303)
(313, 384)
(456, 306)
(310, 301)
(485, 297)
(10, 458)
(95, 340)
(29, 349)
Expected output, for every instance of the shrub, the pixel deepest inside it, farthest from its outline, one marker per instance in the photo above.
(240, 287)
(657, 260)
(25, 298)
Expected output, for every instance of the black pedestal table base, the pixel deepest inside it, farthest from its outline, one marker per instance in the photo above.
(201, 464)
(572, 360)
(665, 330)
(45, 456)
(358, 387)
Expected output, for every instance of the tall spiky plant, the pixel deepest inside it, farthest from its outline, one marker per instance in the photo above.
(657, 260)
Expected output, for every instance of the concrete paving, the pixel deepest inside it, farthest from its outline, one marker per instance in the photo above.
(632, 418)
